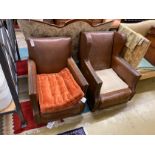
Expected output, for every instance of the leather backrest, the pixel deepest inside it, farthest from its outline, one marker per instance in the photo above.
(119, 43)
(49, 54)
(98, 48)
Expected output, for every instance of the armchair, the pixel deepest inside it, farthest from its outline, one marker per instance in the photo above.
(111, 79)
(56, 85)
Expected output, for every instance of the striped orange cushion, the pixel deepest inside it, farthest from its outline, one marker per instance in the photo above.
(57, 91)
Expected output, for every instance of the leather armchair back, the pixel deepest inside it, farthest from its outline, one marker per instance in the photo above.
(119, 43)
(49, 54)
(101, 50)
(99, 47)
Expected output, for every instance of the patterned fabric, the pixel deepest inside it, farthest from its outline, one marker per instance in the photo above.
(78, 131)
(22, 68)
(40, 29)
(11, 124)
(28, 115)
(57, 91)
(134, 38)
(136, 46)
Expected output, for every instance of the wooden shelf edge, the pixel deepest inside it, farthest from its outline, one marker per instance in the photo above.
(146, 74)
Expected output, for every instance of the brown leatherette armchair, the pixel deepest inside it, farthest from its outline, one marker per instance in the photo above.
(111, 79)
(46, 56)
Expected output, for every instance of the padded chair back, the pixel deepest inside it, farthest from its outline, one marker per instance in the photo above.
(49, 54)
(97, 47)
(119, 43)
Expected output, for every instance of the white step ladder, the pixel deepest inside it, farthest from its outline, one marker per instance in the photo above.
(5, 95)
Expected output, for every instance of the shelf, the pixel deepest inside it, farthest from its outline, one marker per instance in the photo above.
(11, 108)
(146, 73)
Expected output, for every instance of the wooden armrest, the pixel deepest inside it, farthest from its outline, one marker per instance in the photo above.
(94, 81)
(130, 75)
(32, 77)
(78, 76)
(32, 83)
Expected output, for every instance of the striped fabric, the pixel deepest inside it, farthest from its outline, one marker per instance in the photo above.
(57, 91)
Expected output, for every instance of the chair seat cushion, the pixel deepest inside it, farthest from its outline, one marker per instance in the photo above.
(57, 91)
(111, 81)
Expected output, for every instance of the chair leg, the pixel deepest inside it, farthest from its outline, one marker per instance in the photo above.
(20, 114)
(23, 121)
(37, 119)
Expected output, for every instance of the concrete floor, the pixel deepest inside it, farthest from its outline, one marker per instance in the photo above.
(135, 117)
(138, 117)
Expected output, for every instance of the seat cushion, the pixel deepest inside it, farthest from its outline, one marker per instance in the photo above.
(57, 91)
(111, 81)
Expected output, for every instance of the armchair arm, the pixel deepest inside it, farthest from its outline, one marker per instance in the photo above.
(32, 84)
(94, 81)
(126, 72)
(78, 76)
(32, 75)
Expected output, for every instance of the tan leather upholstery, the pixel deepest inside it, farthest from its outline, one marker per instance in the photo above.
(111, 79)
(48, 56)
